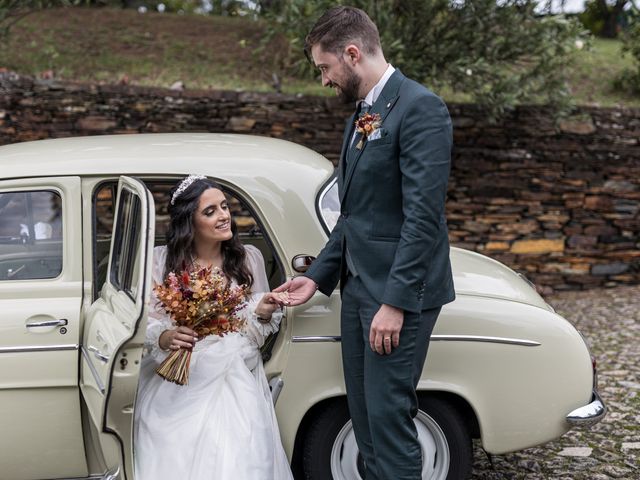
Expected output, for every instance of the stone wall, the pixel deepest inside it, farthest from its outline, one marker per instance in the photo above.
(560, 202)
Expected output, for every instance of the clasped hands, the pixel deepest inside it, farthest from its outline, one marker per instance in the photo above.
(184, 337)
(384, 334)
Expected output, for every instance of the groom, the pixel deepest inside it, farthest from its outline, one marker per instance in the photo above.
(390, 247)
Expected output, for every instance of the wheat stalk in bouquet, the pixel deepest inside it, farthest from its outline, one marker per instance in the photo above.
(203, 300)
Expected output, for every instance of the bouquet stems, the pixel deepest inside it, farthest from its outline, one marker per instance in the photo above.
(175, 368)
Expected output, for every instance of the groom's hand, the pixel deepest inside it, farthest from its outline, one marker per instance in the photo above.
(300, 290)
(384, 334)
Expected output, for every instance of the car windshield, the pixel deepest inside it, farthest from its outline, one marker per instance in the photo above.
(329, 205)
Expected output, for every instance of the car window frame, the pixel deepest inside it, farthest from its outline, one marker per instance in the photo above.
(322, 193)
(94, 229)
(125, 239)
(59, 192)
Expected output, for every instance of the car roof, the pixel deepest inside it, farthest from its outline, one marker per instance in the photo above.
(173, 153)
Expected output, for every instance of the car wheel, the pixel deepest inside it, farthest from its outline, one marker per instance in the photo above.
(330, 450)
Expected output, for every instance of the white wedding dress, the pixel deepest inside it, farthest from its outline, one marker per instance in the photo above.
(222, 425)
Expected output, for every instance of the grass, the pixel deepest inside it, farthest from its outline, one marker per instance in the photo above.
(594, 70)
(113, 45)
(107, 45)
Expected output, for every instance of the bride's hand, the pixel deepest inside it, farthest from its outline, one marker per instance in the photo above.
(181, 337)
(269, 303)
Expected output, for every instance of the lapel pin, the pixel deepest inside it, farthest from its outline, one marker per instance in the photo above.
(388, 104)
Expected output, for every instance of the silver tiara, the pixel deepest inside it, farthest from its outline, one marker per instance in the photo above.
(184, 184)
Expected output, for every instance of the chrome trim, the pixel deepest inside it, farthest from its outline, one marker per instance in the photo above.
(38, 348)
(98, 354)
(276, 384)
(90, 477)
(94, 372)
(112, 474)
(527, 281)
(296, 339)
(589, 414)
(435, 338)
(49, 323)
(301, 262)
(323, 193)
(478, 338)
(326, 188)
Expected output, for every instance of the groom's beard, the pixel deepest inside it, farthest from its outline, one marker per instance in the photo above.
(349, 87)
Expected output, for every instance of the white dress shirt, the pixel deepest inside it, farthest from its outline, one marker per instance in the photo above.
(373, 94)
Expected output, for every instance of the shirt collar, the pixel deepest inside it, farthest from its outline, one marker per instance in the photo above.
(374, 93)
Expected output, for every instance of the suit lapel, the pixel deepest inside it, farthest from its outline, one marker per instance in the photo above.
(383, 105)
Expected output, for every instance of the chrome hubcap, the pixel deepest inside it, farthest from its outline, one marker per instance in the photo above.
(435, 451)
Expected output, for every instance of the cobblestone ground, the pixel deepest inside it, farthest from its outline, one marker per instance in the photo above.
(610, 320)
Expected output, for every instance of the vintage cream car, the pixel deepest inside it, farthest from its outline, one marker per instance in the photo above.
(78, 222)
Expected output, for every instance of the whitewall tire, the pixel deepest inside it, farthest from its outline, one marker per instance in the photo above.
(331, 452)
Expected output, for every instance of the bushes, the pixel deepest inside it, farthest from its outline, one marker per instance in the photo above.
(605, 18)
(501, 55)
(629, 80)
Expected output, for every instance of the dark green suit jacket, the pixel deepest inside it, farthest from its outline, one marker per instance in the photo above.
(392, 194)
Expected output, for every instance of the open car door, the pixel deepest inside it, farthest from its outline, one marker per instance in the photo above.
(114, 331)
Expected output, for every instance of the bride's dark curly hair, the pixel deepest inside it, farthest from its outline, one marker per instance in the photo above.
(180, 235)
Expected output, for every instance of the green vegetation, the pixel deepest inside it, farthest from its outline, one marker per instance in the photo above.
(109, 45)
(605, 18)
(112, 45)
(629, 79)
(499, 53)
(12, 11)
(592, 77)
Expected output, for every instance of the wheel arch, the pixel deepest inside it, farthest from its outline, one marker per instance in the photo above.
(301, 433)
(461, 405)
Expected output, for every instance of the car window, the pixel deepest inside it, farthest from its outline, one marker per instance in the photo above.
(30, 235)
(329, 205)
(104, 208)
(127, 237)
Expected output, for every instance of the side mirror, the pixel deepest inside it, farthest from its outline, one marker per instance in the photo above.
(301, 263)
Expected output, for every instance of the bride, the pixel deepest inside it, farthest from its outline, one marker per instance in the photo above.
(221, 425)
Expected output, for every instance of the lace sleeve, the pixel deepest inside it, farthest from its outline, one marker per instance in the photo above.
(158, 321)
(254, 328)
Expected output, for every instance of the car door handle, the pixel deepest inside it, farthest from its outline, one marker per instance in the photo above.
(12, 272)
(98, 354)
(48, 323)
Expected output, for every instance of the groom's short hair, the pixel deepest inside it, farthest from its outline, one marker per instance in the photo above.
(340, 26)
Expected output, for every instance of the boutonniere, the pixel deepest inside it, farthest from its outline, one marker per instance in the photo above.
(366, 124)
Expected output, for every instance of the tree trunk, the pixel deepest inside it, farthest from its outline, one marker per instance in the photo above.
(611, 15)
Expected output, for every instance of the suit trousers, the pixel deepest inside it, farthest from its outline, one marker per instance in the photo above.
(381, 389)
